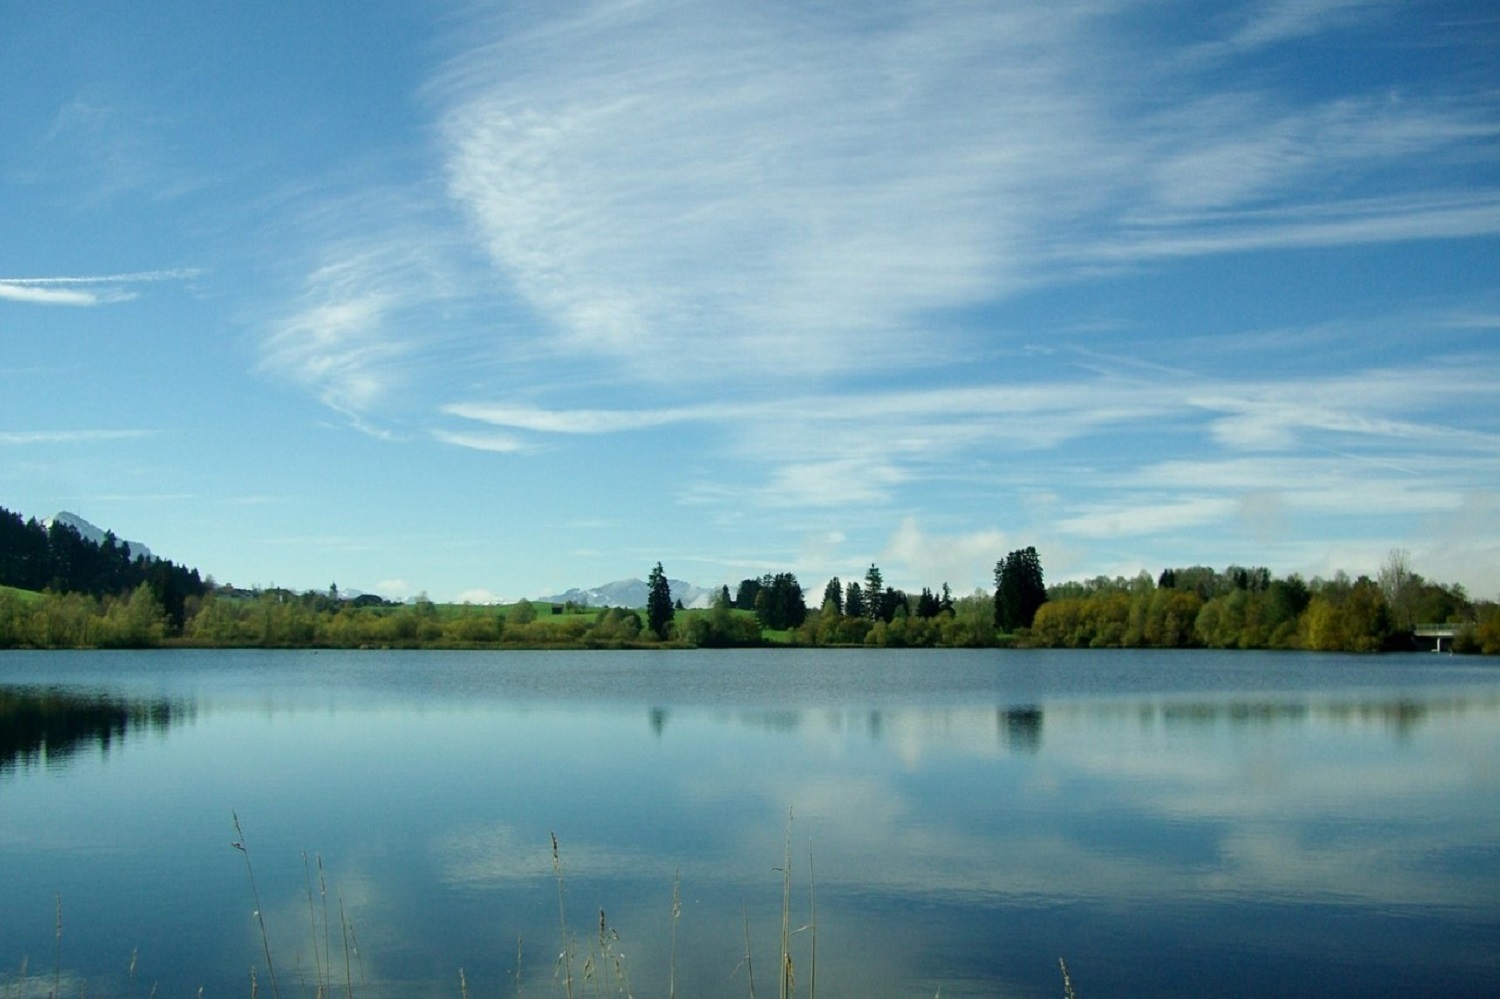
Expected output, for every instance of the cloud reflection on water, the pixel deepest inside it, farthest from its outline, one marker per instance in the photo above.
(1335, 800)
(991, 830)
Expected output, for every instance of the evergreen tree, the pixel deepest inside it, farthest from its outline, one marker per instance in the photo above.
(854, 601)
(744, 598)
(781, 605)
(659, 607)
(1019, 589)
(833, 594)
(894, 602)
(874, 594)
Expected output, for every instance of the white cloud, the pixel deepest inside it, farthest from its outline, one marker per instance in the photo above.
(762, 189)
(381, 292)
(37, 295)
(580, 421)
(776, 191)
(358, 329)
(395, 589)
(1322, 482)
(1371, 220)
(849, 482)
(1472, 319)
(338, 348)
(51, 437)
(85, 291)
(1283, 20)
(497, 443)
(764, 224)
(1155, 515)
(914, 554)
(1374, 444)
(1274, 424)
(479, 596)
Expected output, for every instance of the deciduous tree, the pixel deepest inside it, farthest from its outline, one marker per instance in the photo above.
(1400, 586)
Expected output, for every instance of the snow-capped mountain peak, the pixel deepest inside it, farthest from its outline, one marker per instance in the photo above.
(633, 593)
(89, 532)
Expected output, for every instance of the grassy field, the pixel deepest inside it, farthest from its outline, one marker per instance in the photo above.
(25, 596)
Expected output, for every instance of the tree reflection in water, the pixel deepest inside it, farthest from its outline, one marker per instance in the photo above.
(40, 726)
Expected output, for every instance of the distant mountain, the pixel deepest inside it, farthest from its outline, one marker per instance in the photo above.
(633, 593)
(95, 534)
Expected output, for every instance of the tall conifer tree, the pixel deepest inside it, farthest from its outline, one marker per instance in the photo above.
(1019, 589)
(659, 607)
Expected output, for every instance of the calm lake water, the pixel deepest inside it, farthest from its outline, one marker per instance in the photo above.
(1170, 823)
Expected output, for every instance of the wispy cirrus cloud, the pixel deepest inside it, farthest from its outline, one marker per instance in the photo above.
(1361, 222)
(760, 188)
(86, 291)
(821, 239)
(1282, 20)
(1154, 516)
(337, 347)
(20, 291)
(1320, 440)
(583, 421)
(55, 437)
(789, 191)
(698, 195)
(497, 443)
(365, 321)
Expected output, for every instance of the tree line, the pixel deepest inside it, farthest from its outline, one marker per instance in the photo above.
(1189, 607)
(1249, 608)
(87, 594)
(95, 593)
(867, 611)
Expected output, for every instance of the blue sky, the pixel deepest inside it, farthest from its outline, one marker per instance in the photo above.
(491, 300)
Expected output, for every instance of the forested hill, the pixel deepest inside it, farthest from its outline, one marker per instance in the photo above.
(58, 558)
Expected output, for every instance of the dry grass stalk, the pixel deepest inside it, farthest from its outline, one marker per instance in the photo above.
(565, 959)
(238, 844)
(676, 915)
(348, 970)
(749, 967)
(606, 968)
(812, 926)
(57, 954)
(611, 961)
(320, 977)
(788, 974)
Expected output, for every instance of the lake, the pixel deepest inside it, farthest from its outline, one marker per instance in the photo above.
(1168, 822)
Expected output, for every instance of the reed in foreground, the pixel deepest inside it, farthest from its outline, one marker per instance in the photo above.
(597, 968)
